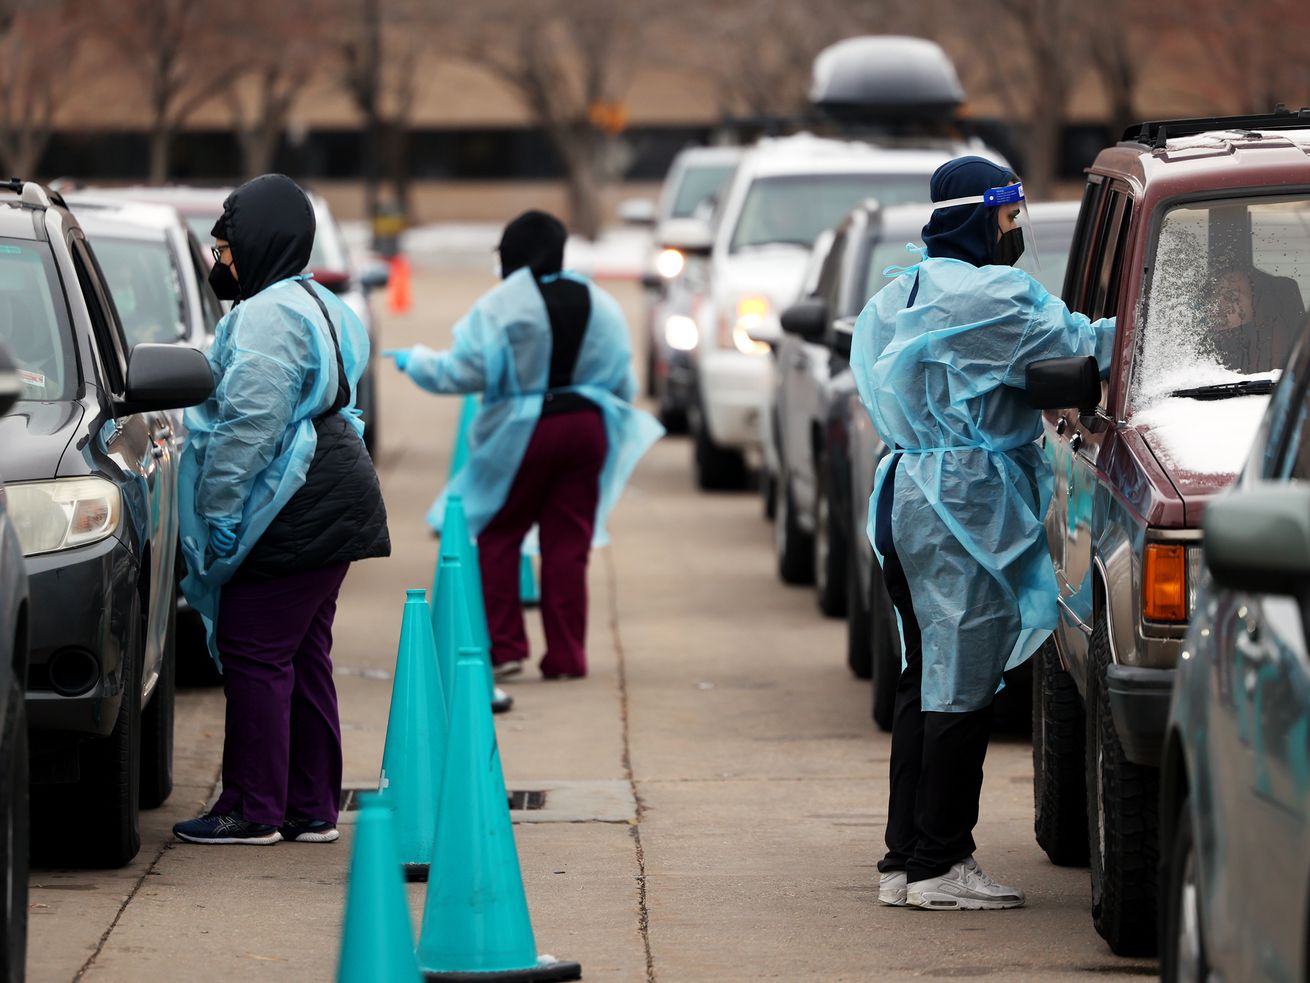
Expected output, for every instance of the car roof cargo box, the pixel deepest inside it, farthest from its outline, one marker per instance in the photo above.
(867, 79)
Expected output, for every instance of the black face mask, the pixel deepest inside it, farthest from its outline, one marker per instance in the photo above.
(1009, 247)
(224, 283)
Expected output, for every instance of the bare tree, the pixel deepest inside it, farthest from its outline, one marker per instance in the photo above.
(280, 51)
(34, 36)
(1247, 57)
(570, 63)
(182, 52)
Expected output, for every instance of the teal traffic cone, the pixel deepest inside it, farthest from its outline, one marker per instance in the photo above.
(475, 917)
(460, 455)
(454, 525)
(414, 755)
(450, 614)
(529, 592)
(376, 940)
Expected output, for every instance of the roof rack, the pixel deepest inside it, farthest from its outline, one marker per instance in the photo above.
(1156, 133)
(30, 193)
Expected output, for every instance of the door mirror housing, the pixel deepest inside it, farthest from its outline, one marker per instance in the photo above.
(806, 319)
(843, 333)
(690, 236)
(10, 386)
(1257, 538)
(1061, 383)
(165, 377)
(375, 276)
(638, 212)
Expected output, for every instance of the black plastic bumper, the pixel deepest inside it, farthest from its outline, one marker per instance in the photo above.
(1139, 703)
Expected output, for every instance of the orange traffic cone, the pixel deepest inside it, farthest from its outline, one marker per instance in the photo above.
(399, 297)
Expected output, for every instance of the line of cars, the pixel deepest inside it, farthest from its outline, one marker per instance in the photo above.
(105, 307)
(1170, 713)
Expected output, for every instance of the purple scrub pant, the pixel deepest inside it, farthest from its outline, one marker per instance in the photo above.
(282, 743)
(557, 488)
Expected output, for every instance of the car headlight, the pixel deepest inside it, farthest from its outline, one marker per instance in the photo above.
(751, 311)
(681, 332)
(669, 263)
(61, 514)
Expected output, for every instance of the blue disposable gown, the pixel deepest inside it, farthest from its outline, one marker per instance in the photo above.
(502, 350)
(943, 381)
(250, 444)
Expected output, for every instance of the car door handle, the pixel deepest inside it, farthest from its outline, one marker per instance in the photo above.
(156, 451)
(1076, 442)
(1061, 425)
(164, 433)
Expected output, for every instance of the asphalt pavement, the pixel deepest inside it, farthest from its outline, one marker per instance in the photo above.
(715, 790)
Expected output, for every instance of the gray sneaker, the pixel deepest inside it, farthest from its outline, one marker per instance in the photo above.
(891, 888)
(965, 887)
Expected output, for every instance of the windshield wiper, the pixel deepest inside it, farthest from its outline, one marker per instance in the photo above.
(1227, 390)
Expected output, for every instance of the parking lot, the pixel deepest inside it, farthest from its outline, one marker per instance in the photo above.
(715, 789)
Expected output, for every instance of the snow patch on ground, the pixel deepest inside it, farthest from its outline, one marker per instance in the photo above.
(1203, 436)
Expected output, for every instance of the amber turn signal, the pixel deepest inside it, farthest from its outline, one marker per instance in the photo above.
(1164, 583)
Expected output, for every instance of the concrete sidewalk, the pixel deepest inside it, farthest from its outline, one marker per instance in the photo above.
(715, 788)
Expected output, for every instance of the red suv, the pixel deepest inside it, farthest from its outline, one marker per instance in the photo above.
(1196, 234)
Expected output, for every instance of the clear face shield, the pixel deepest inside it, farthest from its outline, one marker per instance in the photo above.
(1018, 243)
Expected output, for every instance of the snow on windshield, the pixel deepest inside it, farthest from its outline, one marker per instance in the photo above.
(1226, 303)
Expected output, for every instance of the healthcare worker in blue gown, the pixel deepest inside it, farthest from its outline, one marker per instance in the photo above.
(939, 356)
(554, 441)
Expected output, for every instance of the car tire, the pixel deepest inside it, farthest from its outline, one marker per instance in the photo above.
(192, 663)
(15, 832)
(157, 727)
(1059, 782)
(717, 468)
(672, 418)
(859, 623)
(794, 546)
(887, 661)
(1182, 956)
(830, 548)
(96, 821)
(1122, 821)
(651, 389)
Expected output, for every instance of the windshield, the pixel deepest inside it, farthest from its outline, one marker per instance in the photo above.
(700, 183)
(1227, 294)
(793, 210)
(1054, 240)
(34, 320)
(327, 253)
(147, 288)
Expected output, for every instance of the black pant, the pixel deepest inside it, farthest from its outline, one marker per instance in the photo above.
(936, 766)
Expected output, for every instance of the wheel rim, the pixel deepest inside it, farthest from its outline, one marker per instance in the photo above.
(821, 543)
(1188, 949)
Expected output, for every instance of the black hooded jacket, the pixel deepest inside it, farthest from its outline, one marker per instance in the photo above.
(338, 515)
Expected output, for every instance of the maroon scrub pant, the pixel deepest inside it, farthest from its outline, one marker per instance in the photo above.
(282, 743)
(557, 489)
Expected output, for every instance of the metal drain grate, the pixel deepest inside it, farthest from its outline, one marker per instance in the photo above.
(519, 799)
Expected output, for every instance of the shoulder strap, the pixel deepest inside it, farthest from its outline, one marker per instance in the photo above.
(343, 386)
(914, 292)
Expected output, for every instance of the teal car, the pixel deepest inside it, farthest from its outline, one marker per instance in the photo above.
(1235, 784)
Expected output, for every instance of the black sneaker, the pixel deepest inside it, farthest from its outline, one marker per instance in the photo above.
(308, 831)
(219, 828)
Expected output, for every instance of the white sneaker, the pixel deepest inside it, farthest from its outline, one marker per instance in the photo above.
(891, 888)
(963, 888)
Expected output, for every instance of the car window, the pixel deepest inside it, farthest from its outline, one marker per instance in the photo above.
(793, 210)
(886, 254)
(109, 340)
(1227, 295)
(34, 320)
(146, 284)
(1076, 287)
(211, 311)
(1054, 240)
(830, 276)
(1112, 236)
(700, 182)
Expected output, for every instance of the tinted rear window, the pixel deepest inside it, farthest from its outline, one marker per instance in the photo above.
(34, 320)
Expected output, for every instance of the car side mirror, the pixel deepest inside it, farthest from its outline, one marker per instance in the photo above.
(1061, 383)
(638, 212)
(375, 276)
(652, 281)
(165, 377)
(1257, 538)
(843, 333)
(690, 236)
(806, 319)
(10, 386)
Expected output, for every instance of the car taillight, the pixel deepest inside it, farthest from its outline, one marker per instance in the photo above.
(1164, 583)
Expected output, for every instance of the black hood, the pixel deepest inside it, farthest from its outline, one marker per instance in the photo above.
(535, 240)
(965, 232)
(269, 222)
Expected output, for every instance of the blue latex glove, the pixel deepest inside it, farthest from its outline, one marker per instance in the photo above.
(401, 355)
(222, 542)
